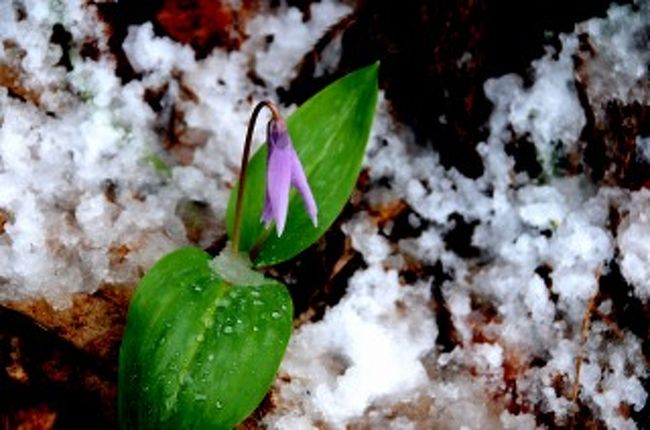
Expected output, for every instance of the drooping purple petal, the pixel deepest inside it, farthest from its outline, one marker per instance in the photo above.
(267, 213)
(283, 171)
(278, 181)
(299, 180)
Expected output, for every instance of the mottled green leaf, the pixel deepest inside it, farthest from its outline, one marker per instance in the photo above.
(330, 132)
(198, 352)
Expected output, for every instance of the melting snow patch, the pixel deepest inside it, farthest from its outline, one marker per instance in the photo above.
(89, 193)
(90, 196)
(518, 308)
(635, 246)
(367, 347)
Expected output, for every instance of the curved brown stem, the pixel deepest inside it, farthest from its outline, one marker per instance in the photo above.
(236, 231)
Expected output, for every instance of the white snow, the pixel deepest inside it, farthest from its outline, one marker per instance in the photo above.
(65, 234)
(91, 196)
(365, 348)
(276, 64)
(560, 223)
(634, 244)
(550, 110)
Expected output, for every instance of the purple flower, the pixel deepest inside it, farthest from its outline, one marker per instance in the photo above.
(283, 171)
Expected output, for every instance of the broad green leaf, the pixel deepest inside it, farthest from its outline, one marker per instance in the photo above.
(330, 132)
(198, 352)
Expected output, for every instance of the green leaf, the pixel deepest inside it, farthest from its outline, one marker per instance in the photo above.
(198, 352)
(330, 132)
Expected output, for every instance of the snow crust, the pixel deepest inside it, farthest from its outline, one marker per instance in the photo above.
(634, 246)
(366, 348)
(91, 195)
(518, 308)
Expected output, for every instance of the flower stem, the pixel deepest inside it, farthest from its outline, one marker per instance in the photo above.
(255, 250)
(236, 233)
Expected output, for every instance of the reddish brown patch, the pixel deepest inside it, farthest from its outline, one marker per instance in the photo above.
(182, 141)
(57, 368)
(344, 259)
(15, 369)
(38, 417)
(513, 368)
(4, 219)
(203, 24)
(11, 80)
(65, 359)
(118, 254)
(253, 422)
(94, 323)
(90, 50)
(388, 212)
(625, 410)
(482, 321)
